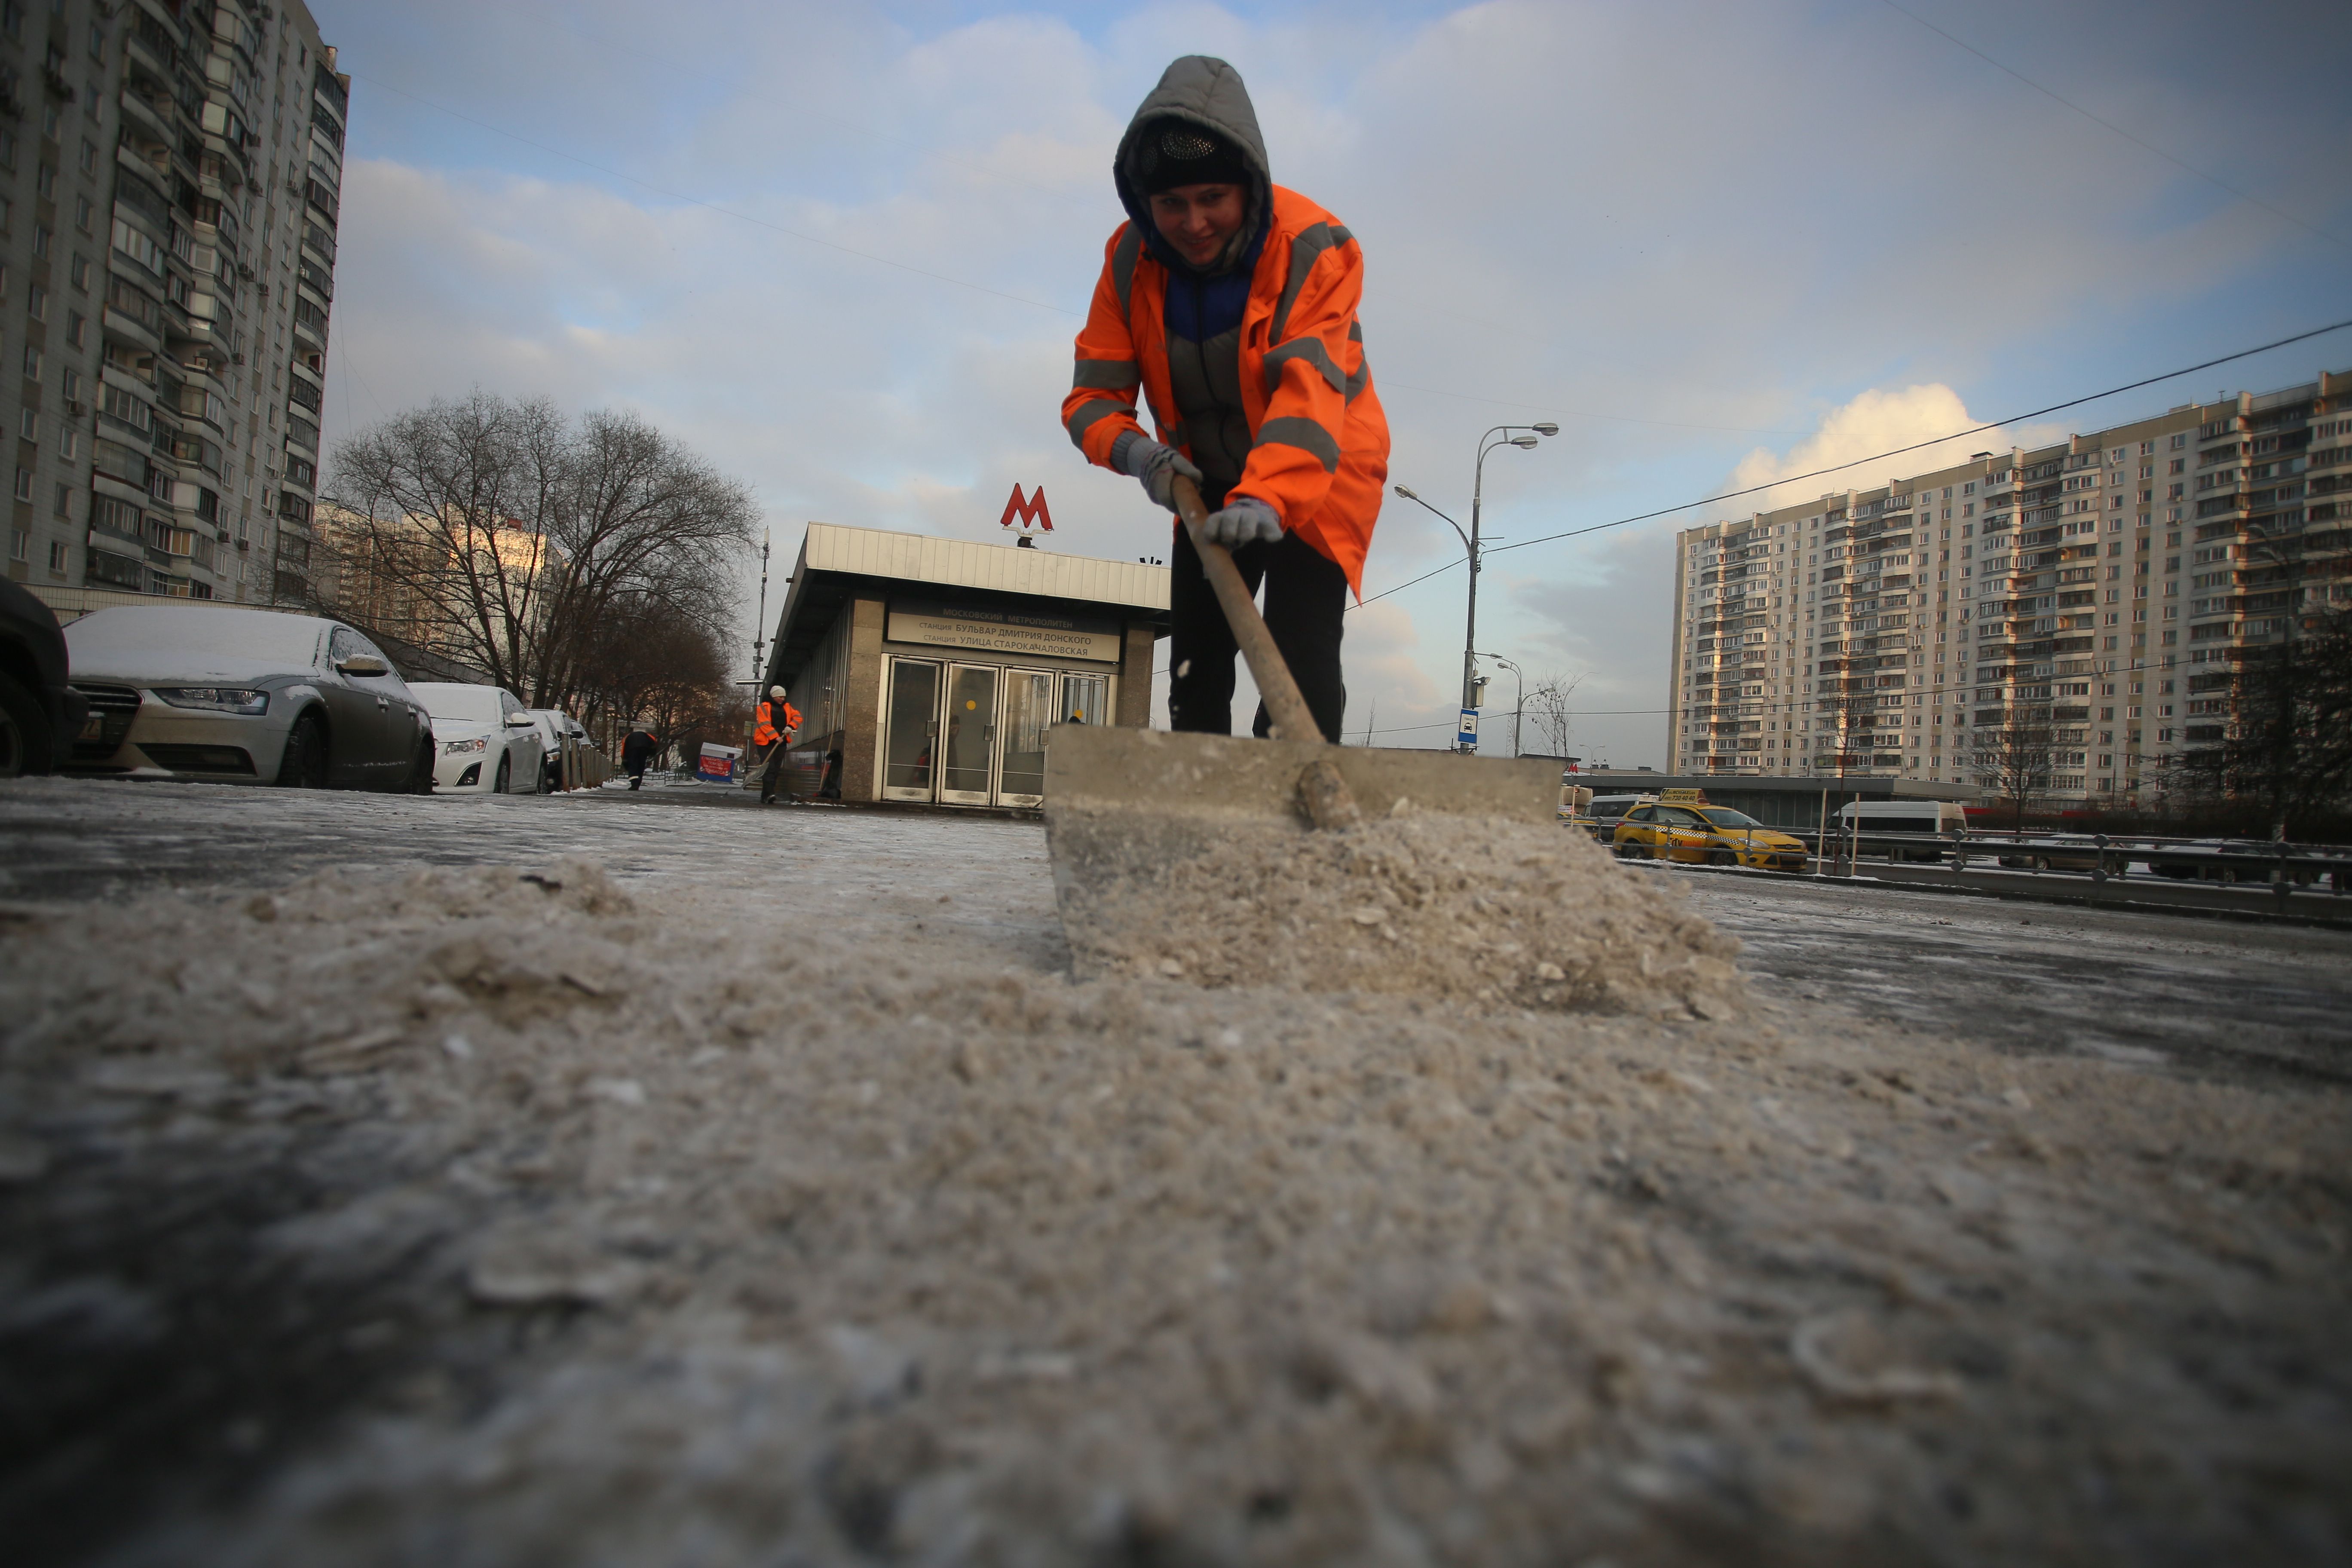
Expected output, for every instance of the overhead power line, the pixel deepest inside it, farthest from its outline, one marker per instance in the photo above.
(1880, 456)
(2215, 180)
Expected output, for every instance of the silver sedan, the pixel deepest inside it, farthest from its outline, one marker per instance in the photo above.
(239, 696)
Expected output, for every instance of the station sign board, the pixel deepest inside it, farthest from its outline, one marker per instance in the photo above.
(1021, 633)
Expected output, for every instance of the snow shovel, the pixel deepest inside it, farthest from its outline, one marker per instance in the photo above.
(1121, 805)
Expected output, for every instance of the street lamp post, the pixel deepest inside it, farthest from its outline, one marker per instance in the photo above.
(1519, 436)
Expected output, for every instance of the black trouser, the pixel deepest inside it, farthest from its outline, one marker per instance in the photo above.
(772, 778)
(1305, 594)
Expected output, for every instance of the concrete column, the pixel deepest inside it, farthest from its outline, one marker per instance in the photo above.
(1135, 677)
(862, 711)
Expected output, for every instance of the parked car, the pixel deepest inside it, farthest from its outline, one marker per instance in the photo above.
(485, 740)
(557, 726)
(232, 696)
(2235, 861)
(2053, 855)
(39, 713)
(1602, 813)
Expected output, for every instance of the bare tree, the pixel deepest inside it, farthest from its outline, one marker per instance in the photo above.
(1547, 709)
(501, 533)
(2281, 736)
(2015, 763)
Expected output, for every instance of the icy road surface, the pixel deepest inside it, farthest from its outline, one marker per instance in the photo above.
(386, 1183)
(2215, 996)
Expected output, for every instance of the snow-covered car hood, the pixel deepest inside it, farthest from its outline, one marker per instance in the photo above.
(192, 669)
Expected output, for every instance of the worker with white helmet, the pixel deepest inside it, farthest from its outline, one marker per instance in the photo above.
(779, 721)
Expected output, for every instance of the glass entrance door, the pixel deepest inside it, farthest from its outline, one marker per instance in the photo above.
(910, 752)
(969, 745)
(1028, 711)
(1085, 699)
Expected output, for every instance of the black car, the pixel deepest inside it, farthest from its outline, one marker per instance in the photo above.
(39, 713)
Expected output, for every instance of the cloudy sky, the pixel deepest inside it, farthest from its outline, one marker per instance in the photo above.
(842, 248)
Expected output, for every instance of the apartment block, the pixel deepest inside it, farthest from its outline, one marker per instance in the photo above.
(2096, 593)
(170, 174)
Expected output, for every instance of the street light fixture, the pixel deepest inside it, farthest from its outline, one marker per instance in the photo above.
(1518, 695)
(1509, 436)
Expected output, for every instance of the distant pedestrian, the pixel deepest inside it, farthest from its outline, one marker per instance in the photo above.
(636, 750)
(777, 721)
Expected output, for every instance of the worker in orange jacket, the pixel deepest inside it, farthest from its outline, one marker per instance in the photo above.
(1231, 303)
(777, 722)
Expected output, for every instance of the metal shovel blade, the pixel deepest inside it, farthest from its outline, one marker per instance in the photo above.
(1124, 805)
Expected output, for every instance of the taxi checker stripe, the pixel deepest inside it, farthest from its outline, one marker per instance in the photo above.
(1305, 250)
(1312, 351)
(1105, 375)
(1303, 434)
(1085, 417)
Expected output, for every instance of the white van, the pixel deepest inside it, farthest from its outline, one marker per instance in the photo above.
(1941, 819)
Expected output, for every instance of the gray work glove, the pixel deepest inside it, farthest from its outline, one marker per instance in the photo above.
(1156, 466)
(1244, 521)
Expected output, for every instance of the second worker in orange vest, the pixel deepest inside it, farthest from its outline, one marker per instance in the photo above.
(1230, 303)
(777, 721)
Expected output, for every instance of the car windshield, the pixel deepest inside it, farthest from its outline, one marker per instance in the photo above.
(464, 704)
(169, 635)
(1724, 817)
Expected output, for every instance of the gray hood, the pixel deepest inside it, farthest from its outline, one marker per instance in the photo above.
(1209, 93)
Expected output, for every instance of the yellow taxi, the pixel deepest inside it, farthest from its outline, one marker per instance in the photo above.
(1681, 825)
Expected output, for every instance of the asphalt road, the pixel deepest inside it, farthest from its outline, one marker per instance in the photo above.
(2142, 990)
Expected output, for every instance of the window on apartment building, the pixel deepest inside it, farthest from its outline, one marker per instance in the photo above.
(36, 302)
(23, 484)
(64, 507)
(89, 156)
(82, 212)
(59, 555)
(28, 425)
(32, 361)
(41, 241)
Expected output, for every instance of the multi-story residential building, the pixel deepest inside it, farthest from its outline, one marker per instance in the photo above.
(169, 180)
(2094, 595)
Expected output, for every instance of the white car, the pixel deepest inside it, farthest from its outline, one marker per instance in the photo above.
(234, 696)
(485, 742)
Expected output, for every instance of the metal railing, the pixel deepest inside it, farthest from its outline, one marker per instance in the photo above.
(2105, 857)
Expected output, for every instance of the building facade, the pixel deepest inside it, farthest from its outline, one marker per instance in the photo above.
(170, 177)
(2076, 611)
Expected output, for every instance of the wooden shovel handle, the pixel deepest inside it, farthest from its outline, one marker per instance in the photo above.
(1284, 704)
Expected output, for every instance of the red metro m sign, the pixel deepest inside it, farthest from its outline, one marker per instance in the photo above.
(1031, 509)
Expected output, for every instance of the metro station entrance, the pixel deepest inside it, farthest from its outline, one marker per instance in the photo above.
(974, 734)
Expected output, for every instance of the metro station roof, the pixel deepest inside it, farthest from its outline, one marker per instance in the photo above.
(838, 563)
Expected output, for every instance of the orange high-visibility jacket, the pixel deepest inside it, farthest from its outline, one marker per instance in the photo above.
(769, 732)
(1319, 452)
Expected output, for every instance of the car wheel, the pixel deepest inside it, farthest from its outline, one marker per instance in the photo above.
(420, 768)
(1720, 857)
(546, 776)
(505, 774)
(2041, 862)
(304, 765)
(27, 745)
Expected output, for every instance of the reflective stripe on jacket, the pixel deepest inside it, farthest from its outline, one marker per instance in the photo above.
(767, 734)
(1319, 439)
